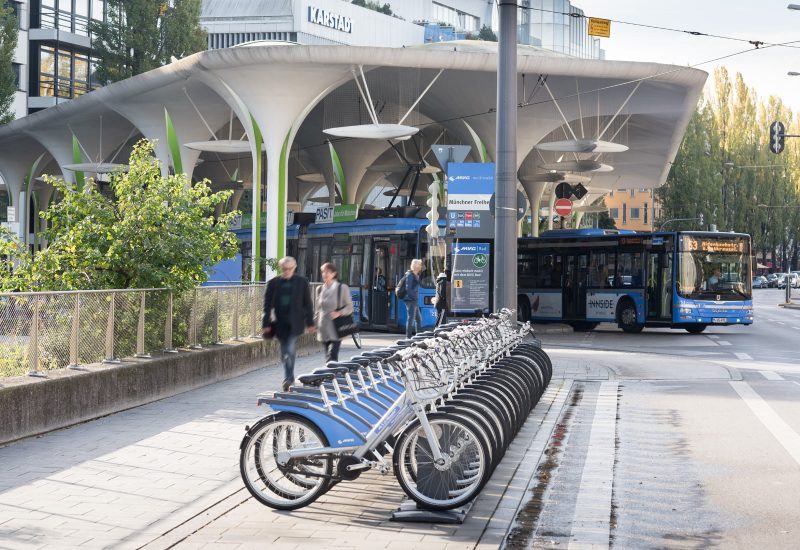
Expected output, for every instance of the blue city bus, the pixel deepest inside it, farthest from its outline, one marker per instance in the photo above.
(686, 280)
(371, 255)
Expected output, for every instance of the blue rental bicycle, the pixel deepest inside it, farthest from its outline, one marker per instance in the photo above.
(428, 402)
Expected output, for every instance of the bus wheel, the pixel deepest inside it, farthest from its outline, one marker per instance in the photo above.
(583, 326)
(695, 329)
(523, 309)
(626, 317)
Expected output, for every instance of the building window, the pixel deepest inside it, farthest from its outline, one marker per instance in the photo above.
(16, 10)
(65, 73)
(633, 193)
(624, 213)
(17, 68)
(47, 71)
(634, 213)
(645, 212)
(613, 212)
(47, 14)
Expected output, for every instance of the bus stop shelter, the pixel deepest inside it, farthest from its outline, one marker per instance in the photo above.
(252, 118)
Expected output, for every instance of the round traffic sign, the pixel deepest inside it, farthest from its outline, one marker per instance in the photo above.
(563, 207)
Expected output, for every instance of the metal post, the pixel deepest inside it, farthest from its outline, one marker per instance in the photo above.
(168, 327)
(33, 345)
(505, 235)
(254, 311)
(112, 313)
(215, 329)
(235, 327)
(193, 325)
(140, 352)
(74, 339)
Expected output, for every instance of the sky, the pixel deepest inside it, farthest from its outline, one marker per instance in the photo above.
(765, 20)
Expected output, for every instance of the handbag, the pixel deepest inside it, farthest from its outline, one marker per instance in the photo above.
(345, 325)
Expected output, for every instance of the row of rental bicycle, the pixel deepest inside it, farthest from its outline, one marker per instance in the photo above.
(439, 409)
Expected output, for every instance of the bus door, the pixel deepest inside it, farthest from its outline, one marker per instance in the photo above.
(576, 275)
(659, 285)
(382, 283)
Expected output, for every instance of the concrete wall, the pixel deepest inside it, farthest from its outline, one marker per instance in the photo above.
(31, 406)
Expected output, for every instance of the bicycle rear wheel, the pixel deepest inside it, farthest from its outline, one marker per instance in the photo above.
(442, 486)
(284, 485)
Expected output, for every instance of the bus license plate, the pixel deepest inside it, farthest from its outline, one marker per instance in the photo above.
(719, 319)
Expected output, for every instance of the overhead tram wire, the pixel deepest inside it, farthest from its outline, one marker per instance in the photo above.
(757, 43)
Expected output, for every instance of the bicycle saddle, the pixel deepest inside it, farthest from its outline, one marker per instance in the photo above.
(404, 343)
(332, 369)
(363, 360)
(315, 379)
(348, 365)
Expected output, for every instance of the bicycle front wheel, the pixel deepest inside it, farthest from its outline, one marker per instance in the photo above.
(447, 485)
(278, 484)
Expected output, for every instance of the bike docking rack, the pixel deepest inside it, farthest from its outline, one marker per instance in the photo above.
(439, 410)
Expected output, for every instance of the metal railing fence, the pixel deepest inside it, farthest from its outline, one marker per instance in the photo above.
(41, 331)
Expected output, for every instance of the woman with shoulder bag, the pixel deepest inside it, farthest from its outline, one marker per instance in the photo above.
(333, 302)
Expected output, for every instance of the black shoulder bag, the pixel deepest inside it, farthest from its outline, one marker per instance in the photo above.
(345, 325)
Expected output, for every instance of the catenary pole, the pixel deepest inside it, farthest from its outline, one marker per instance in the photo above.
(505, 225)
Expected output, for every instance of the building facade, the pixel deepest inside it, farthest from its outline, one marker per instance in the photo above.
(543, 23)
(308, 22)
(53, 61)
(632, 209)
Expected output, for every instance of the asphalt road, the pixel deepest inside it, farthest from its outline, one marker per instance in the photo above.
(674, 440)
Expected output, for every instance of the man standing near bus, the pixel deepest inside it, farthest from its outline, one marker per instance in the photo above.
(411, 297)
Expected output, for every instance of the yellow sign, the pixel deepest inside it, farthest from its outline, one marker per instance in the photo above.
(599, 27)
(458, 283)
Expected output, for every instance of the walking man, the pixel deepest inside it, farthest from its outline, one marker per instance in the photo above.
(288, 311)
(411, 298)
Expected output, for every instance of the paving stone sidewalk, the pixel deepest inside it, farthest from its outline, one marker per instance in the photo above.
(167, 474)
(125, 479)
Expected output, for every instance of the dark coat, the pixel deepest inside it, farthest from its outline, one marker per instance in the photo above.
(442, 291)
(302, 314)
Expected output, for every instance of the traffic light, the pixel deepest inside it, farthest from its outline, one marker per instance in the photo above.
(433, 213)
(776, 137)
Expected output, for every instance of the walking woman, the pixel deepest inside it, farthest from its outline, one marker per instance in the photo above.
(333, 300)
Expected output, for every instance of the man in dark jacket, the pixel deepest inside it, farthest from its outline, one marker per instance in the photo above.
(442, 289)
(288, 311)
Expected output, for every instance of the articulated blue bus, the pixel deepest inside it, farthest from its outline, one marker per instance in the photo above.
(686, 280)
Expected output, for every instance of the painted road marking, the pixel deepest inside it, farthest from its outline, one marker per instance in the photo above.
(743, 356)
(591, 521)
(712, 336)
(785, 435)
(796, 328)
(781, 323)
(724, 343)
(770, 375)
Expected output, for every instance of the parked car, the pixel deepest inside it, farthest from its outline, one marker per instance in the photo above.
(772, 280)
(792, 279)
(759, 282)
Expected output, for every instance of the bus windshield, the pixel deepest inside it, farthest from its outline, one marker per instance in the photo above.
(712, 268)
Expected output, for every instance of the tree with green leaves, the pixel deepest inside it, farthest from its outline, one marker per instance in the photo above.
(8, 43)
(486, 33)
(147, 231)
(140, 35)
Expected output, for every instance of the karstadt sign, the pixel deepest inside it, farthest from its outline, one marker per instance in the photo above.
(329, 19)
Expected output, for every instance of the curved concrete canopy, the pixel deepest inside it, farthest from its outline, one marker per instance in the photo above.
(279, 85)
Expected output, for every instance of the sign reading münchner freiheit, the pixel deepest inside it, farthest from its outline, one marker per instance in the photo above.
(330, 19)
